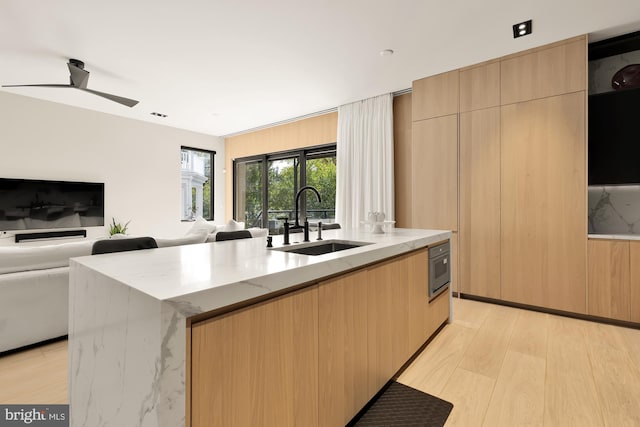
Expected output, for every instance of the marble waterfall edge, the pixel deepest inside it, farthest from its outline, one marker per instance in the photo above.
(126, 355)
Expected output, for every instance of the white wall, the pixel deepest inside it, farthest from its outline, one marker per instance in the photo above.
(139, 162)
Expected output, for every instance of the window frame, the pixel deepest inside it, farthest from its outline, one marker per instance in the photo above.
(303, 155)
(212, 156)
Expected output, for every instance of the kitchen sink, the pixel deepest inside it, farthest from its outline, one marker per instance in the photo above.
(322, 247)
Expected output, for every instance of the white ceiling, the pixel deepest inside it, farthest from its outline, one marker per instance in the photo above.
(221, 67)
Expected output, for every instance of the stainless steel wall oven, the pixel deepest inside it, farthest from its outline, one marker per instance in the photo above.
(439, 268)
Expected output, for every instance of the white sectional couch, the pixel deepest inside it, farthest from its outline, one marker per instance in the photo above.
(34, 286)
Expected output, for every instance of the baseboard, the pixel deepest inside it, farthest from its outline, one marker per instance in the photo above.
(34, 345)
(580, 316)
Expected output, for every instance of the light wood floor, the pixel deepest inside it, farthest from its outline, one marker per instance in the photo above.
(499, 366)
(502, 366)
(36, 376)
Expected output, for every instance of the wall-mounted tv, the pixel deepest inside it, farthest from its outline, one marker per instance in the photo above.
(27, 204)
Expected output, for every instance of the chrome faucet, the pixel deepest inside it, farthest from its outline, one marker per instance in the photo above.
(298, 194)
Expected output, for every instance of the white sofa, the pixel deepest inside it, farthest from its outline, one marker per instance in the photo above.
(34, 287)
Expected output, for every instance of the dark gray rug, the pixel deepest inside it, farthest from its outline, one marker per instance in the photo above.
(400, 405)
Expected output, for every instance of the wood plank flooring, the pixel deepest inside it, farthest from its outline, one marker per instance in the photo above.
(499, 366)
(503, 366)
(35, 376)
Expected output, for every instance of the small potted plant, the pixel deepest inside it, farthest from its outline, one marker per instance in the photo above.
(117, 228)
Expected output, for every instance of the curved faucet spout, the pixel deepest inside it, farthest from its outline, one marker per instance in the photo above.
(298, 194)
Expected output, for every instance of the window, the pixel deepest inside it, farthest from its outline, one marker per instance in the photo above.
(196, 183)
(265, 186)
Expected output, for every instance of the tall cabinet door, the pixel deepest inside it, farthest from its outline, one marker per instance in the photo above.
(479, 235)
(543, 224)
(435, 173)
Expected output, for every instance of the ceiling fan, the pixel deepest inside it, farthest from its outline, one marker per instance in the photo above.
(78, 80)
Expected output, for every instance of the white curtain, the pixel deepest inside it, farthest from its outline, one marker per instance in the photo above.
(365, 160)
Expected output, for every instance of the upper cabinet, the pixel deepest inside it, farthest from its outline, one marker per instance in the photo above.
(435, 96)
(434, 155)
(545, 72)
(480, 87)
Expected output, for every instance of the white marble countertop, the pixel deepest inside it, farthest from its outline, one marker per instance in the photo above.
(615, 236)
(198, 278)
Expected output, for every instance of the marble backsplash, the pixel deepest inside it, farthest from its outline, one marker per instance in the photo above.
(614, 209)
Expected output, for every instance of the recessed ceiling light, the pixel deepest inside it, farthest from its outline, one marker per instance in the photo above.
(522, 29)
(386, 52)
(158, 114)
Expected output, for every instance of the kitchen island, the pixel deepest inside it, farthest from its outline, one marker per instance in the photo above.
(133, 316)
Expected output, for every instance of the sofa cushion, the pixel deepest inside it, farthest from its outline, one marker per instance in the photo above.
(24, 258)
(201, 226)
(233, 225)
(186, 240)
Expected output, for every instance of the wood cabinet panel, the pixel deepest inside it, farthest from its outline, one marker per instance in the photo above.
(403, 181)
(258, 366)
(380, 289)
(435, 173)
(400, 279)
(343, 369)
(435, 96)
(418, 304)
(479, 235)
(608, 279)
(315, 356)
(542, 73)
(480, 87)
(543, 205)
(634, 277)
(438, 312)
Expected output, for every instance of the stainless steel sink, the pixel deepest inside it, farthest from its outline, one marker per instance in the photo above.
(322, 247)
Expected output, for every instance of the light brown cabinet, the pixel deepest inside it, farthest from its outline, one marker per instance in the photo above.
(258, 366)
(315, 356)
(343, 365)
(383, 321)
(544, 72)
(480, 202)
(435, 96)
(509, 176)
(435, 173)
(480, 87)
(403, 172)
(543, 203)
(371, 322)
(609, 285)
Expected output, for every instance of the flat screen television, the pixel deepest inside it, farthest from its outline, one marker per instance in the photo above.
(27, 204)
(614, 138)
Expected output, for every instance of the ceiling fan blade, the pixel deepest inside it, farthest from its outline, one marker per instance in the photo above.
(119, 99)
(79, 77)
(44, 85)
